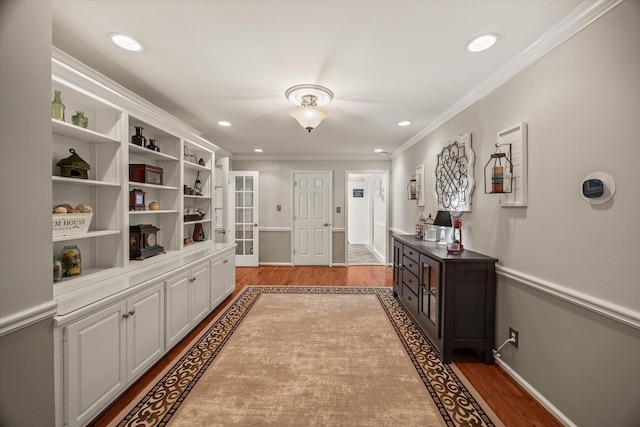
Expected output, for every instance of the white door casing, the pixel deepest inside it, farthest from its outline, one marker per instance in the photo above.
(311, 240)
(244, 216)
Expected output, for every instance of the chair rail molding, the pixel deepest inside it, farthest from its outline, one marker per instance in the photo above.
(22, 319)
(604, 308)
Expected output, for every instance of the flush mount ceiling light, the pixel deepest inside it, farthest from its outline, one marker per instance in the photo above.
(126, 42)
(224, 123)
(309, 98)
(404, 123)
(483, 42)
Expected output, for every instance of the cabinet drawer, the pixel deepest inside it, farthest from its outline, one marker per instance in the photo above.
(411, 265)
(409, 300)
(411, 281)
(411, 253)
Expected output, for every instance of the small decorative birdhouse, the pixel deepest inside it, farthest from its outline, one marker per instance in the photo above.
(73, 166)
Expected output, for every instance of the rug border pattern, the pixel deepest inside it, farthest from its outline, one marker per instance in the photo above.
(452, 399)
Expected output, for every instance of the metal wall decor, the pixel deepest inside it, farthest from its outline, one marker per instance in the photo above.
(454, 182)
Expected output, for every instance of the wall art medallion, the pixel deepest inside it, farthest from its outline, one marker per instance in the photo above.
(454, 182)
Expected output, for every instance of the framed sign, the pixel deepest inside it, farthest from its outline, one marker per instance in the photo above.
(358, 192)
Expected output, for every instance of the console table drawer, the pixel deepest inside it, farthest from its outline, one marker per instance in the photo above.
(411, 281)
(409, 300)
(411, 265)
(411, 253)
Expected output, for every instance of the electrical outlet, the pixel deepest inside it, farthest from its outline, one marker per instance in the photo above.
(514, 334)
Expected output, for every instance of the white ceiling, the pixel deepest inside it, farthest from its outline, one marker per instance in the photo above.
(385, 61)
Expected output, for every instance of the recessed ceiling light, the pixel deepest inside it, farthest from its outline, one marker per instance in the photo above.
(258, 150)
(404, 123)
(483, 42)
(223, 123)
(378, 150)
(126, 42)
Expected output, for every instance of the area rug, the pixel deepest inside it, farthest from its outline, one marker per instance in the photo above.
(303, 356)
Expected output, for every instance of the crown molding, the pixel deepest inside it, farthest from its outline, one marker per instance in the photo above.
(581, 17)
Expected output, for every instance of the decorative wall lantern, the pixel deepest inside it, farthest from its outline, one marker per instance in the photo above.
(494, 169)
(412, 189)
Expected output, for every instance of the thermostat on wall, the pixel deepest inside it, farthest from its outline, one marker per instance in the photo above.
(597, 188)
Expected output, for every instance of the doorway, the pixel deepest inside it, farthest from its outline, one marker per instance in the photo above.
(311, 239)
(244, 214)
(367, 213)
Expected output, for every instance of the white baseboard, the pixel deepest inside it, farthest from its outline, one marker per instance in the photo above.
(535, 393)
(282, 264)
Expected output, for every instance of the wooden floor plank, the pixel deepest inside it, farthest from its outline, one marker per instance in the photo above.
(511, 403)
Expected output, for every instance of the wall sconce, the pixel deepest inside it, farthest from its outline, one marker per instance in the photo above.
(412, 189)
(495, 169)
(443, 219)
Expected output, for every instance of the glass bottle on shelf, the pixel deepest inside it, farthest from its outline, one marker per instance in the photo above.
(71, 261)
(79, 119)
(138, 139)
(57, 269)
(198, 186)
(57, 107)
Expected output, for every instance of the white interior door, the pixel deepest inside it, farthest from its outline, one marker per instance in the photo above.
(243, 194)
(312, 215)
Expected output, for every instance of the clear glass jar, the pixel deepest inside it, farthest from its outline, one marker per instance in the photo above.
(71, 261)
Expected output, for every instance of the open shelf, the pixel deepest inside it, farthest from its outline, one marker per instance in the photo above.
(88, 235)
(83, 182)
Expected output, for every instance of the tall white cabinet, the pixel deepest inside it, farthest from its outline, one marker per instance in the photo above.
(122, 313)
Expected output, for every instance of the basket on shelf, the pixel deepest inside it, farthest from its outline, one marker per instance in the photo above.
(193, 215)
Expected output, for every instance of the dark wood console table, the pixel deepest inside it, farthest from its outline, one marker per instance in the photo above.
(451, 297)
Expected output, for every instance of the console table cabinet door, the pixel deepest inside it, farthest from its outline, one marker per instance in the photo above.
(397, 267)
(95, 363)
(431, 298)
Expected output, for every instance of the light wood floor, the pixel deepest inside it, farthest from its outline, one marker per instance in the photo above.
(509, 401)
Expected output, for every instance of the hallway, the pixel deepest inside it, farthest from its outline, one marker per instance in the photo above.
(360, 255)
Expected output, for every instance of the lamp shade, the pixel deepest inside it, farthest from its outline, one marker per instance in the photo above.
(443, 219)
(309, 117)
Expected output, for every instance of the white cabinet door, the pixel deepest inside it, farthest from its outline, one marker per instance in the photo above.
(200, 290)
(177, 308)
(223, 278)
(95, 363)
(145, 330)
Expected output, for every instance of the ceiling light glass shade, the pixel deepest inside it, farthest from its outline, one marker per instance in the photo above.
(309, 117)
(309, 98)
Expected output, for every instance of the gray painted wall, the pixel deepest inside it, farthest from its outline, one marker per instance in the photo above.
(26, 355)
(276, 189)
(582, 104)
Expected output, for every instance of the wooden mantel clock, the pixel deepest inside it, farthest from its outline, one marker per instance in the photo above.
(136, 200)
(143, 241)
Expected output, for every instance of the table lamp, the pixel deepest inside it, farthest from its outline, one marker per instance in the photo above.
(443, 219)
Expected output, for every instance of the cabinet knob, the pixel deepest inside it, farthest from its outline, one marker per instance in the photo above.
(132, 312)
(193, 279)
(226, 260)
(126, 315)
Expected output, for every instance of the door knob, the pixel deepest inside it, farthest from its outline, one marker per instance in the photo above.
(255, 224)
(326, 224)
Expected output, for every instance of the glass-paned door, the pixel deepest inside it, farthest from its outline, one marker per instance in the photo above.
(243, 192)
